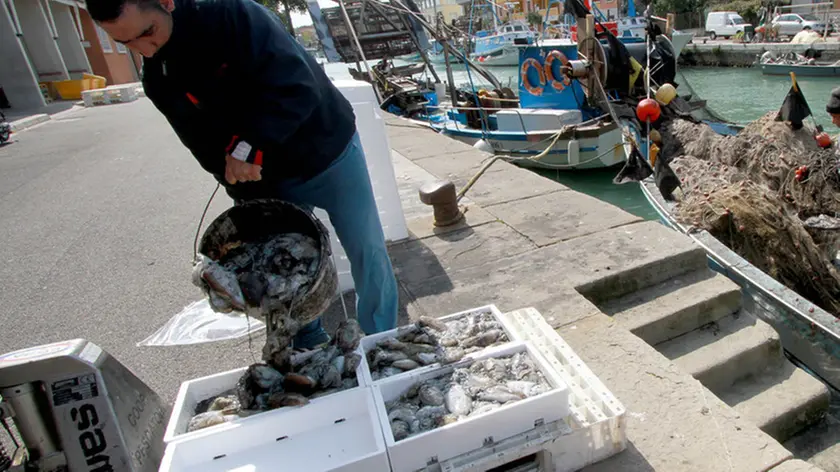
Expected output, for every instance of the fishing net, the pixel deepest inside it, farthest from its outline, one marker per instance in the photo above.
(745, 191)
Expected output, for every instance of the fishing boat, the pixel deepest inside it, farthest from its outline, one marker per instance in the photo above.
(554, 124)
(499, 47)
(808, 333)
(806, 70)
(549, 126)
(775, 63)
(435, 54)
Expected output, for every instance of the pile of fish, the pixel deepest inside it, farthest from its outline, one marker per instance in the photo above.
(265, 275)
(430, 341)
(264, 387)
(468, 391)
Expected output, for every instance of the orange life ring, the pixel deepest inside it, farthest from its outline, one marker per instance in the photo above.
(523, 75)
(558, 85)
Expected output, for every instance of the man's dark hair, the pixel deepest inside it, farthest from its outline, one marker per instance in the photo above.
(110, 10)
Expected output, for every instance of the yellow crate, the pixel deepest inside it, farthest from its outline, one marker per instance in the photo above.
(72, 89)
(98, 81)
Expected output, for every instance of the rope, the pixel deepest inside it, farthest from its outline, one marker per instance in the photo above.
(567, 166)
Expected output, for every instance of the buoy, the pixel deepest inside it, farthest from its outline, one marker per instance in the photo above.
(665, 94)
(823, 140)
(648, 109)
(655, 136)
(483, 145)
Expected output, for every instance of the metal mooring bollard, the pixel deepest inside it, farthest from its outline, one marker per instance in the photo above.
(441, 196)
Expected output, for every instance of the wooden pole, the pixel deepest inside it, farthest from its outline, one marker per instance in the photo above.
(590, 26)
(669, 24)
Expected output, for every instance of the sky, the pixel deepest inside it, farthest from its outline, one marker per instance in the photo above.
(303, 19)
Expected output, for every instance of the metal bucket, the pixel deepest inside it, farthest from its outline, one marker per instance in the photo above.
(258, 219)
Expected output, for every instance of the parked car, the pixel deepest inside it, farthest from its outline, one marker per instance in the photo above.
(726, 24)
(792, 23)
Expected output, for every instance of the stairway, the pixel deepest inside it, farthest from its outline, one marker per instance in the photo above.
(695, 319)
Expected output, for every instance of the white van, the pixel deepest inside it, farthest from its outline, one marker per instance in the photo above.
(724, 23)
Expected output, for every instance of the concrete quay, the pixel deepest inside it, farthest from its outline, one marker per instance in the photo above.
(634, 299)
(729, 54)
(101, 207)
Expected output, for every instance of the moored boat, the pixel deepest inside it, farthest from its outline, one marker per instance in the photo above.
(550, 125)
(498, 48)
(806, 70)
(810, 334)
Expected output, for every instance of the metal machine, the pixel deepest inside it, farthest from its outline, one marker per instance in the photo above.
(77, 409)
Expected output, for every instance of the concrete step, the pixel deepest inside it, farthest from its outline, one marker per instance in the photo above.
(676, 306)
(819, 444)
(781, 401)
(724, 351)
(668, 264)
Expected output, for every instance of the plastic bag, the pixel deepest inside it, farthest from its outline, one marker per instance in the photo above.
(197, 323)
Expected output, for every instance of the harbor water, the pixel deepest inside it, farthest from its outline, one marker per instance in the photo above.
(740, 95)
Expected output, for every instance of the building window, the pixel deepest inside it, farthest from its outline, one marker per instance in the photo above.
(121, 48)
(104, 40)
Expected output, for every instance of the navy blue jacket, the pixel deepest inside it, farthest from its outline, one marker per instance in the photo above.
(231, 80)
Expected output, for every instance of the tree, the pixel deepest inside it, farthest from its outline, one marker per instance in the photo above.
(535, 19)
(289, 6)
(689, 9)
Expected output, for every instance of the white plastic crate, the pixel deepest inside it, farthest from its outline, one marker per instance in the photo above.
(374, 138)
(446, 442)
(196, 390)
(598, 418)
(369, 342)
(341, 434)
(111, 94)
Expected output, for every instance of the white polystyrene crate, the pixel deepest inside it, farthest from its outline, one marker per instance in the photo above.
(374, 137)
(369, 342)
(598, 418)
(475, 432)
(341, 434)
(355, 91)
(342, 264)
(196, 390)
(111, 94)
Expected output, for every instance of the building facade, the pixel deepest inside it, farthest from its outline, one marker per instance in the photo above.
(450, 9)
(43, 41)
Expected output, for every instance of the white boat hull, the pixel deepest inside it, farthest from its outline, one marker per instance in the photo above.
(592, 151)
(508, 57)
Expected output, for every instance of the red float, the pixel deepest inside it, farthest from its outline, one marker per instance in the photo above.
(823, 140)
(648, 109)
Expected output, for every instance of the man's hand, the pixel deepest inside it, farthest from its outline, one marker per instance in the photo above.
(239, 171)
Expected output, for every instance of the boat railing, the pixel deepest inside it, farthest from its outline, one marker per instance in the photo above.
(563, 127)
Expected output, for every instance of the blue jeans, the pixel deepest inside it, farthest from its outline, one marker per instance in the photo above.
(344, 191)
